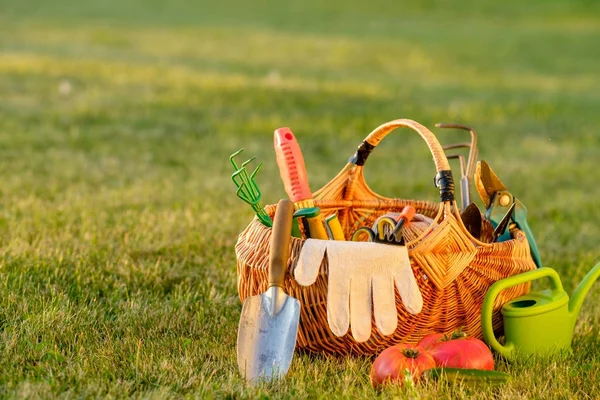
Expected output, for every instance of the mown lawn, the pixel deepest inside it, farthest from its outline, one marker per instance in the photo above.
(118, 218)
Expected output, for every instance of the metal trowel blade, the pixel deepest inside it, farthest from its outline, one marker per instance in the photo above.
(267, 335)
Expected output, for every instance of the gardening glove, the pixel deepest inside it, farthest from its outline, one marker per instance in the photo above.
(362, 275)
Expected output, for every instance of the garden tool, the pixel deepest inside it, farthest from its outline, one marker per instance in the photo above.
(471, 218)
(470, 214)
(498, 199)
(247, 189)
(383, 228)
(501, 228)
(364, 232)
(387, 228)
(334, 228)
(406, 215)
(293, 173)
(539, 323)
(362, 278)
(380, 233)
(269, 322)
(311, 220)
(467, 171)
(465, 195)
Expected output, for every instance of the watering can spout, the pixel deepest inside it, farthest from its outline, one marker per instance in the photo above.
(582, 291)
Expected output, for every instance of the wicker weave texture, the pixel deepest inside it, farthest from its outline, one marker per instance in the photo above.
(453, 269)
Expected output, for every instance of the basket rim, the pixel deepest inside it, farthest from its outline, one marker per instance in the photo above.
(445, 209)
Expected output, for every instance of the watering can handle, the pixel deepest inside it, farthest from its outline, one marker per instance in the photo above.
(493, 292)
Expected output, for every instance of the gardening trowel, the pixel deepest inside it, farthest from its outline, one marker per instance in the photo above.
(269, 321)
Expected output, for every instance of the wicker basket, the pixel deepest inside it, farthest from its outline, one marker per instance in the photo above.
(453, 269)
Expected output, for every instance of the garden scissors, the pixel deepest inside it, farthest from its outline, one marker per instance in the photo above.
(387, 229)
(498, 201)
(380, 234)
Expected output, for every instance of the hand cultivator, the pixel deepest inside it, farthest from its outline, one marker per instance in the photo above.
(247, 189)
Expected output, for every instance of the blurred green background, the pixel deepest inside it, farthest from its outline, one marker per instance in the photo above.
(118, 217)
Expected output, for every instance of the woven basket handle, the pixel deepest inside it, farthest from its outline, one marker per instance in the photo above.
(443, 180)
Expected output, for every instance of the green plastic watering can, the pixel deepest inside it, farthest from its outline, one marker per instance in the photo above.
(539, 323)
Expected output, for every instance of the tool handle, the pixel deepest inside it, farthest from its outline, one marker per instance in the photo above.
(280, 242)
(364, 230)
(465, 192)
(473, 151)
(334, 228)
(317, 230)
(520, 217)
(493, 292)
(291, 165)
(312, 218)
(406, 215)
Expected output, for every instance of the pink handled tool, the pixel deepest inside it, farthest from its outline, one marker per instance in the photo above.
(292, 168)
(293, 173)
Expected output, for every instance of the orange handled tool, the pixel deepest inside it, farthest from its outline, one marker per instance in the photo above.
(293, 173)
(406, 215)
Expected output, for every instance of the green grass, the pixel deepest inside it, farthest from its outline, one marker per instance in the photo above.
(118, 218)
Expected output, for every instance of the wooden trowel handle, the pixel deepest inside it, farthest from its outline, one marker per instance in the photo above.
(280, 242)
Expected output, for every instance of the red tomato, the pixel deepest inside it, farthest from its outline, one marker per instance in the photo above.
(464, 353)
(431, 340)
(458, 351)
(392, 364)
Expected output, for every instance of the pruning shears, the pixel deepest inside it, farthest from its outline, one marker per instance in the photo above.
(499, 201)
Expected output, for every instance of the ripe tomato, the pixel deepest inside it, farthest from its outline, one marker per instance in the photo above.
(458, 351)
(431, 340)
(392, 364)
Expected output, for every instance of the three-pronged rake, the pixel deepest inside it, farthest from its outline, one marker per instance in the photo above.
(247, 189)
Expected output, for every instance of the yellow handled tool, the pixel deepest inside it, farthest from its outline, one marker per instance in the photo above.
(334, 228)
(313, 227)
